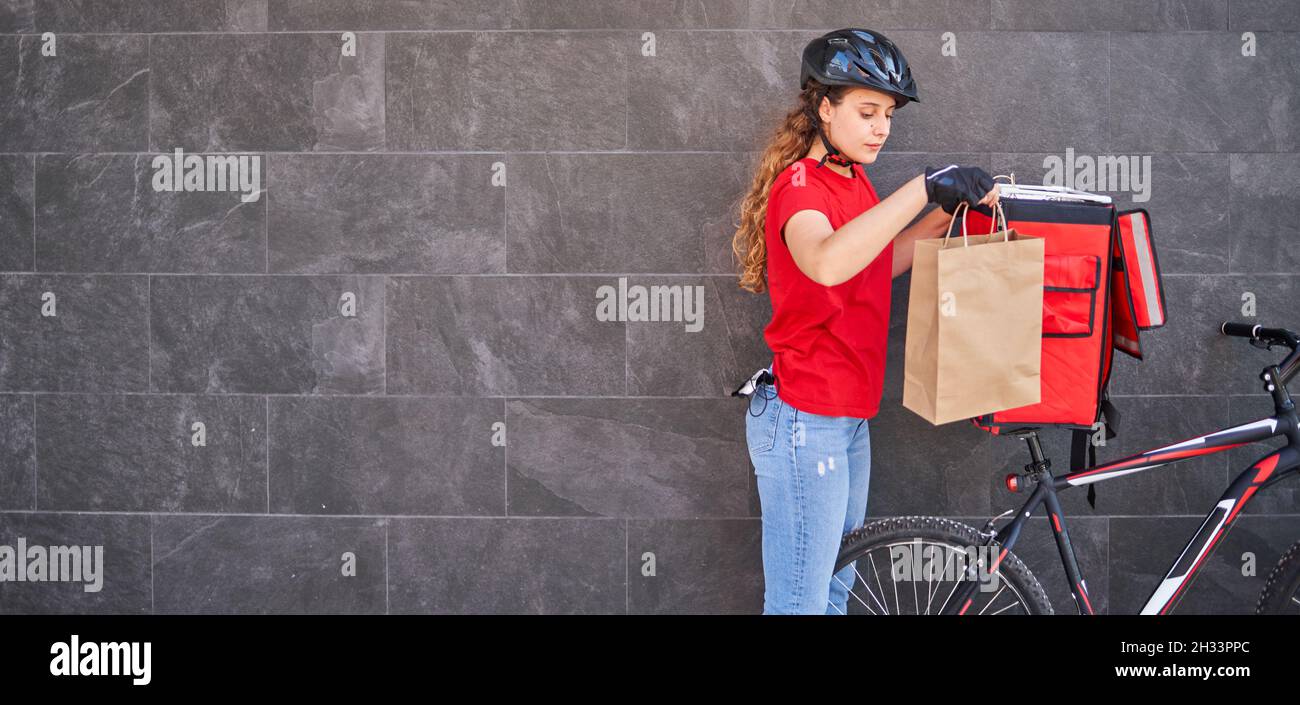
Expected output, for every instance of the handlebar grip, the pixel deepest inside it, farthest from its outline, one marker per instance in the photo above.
(1242, 330)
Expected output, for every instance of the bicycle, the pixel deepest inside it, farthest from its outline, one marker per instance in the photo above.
(973, 577)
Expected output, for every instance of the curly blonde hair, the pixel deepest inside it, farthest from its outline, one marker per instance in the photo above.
(789, 142)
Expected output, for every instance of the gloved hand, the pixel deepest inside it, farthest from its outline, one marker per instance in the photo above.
(950, 185)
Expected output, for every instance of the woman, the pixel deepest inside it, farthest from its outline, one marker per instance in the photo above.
(830, 247)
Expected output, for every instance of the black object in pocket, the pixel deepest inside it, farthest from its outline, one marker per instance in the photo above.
(761, 428)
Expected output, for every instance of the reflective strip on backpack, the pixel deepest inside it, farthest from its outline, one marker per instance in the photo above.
(1147, 270)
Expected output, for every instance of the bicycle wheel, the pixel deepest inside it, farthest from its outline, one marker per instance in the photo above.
(1281, 593)
(914, 565)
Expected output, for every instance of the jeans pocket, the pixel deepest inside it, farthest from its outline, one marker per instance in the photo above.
(760, 430)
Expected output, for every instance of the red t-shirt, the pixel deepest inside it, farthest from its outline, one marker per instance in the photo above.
(828, 342)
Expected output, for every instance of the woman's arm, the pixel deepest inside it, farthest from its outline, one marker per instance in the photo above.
(931, 225)
(830, 256)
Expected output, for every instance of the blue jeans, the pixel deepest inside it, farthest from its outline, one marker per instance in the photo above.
(813, 472)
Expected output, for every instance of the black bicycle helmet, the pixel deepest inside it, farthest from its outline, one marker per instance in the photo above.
(855, 57)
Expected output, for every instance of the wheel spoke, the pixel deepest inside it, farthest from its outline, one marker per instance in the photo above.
(1004, 609)
(955, 585)
(854, 594)
(866, 586)
(915, 600)
(881, 585)
(995, 597)
(832, 604)
(895, 584)
(862, 580)
(874, 602)
(930, 598)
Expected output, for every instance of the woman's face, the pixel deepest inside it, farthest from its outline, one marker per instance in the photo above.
(859, 125)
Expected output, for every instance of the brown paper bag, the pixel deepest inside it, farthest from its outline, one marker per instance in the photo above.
(974, 324)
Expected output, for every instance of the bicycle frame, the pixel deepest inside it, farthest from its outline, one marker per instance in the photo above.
(1273, 467)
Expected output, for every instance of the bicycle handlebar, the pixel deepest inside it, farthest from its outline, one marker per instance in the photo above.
(1274, 336)
(1268, 336)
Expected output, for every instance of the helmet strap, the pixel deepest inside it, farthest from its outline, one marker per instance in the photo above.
(832, 155)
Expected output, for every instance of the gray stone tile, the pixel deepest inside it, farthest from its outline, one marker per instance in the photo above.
(1265, 15)
(246, 15)
(271, 92)
(445, 337)
(449, 91)
(624, 212)
(69, 16)
(116, 581)
(17, 16)
(1008, 92)
(684, 566)
(1113, 15)
(686, 97)
(507, 566)
(370, 15)
(143, 453)
(102, 213)
(1264, 218)
(289, 15)
(278, 335)
(347, 98)
(17, 181)
(347, 455)
(96, 341)
(91, 96)
(643, 15)
(919, 468)
(1195, 92)
(379, 214)
(17, 452)
(818, 16)
(646, 458)
(708, 357)
(206, 564)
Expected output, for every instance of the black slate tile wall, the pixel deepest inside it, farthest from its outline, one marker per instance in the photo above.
(300, 402)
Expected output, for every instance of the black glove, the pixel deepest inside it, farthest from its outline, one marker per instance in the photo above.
(952, 184)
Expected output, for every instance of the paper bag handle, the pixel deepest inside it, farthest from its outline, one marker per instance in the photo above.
(1005, 229)
(955, 212)
(965, 242)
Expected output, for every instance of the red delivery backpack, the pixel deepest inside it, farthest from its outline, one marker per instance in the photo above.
(1101, 288)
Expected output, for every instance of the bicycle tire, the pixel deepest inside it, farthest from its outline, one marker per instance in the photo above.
(1281, 594)
(893, 531)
